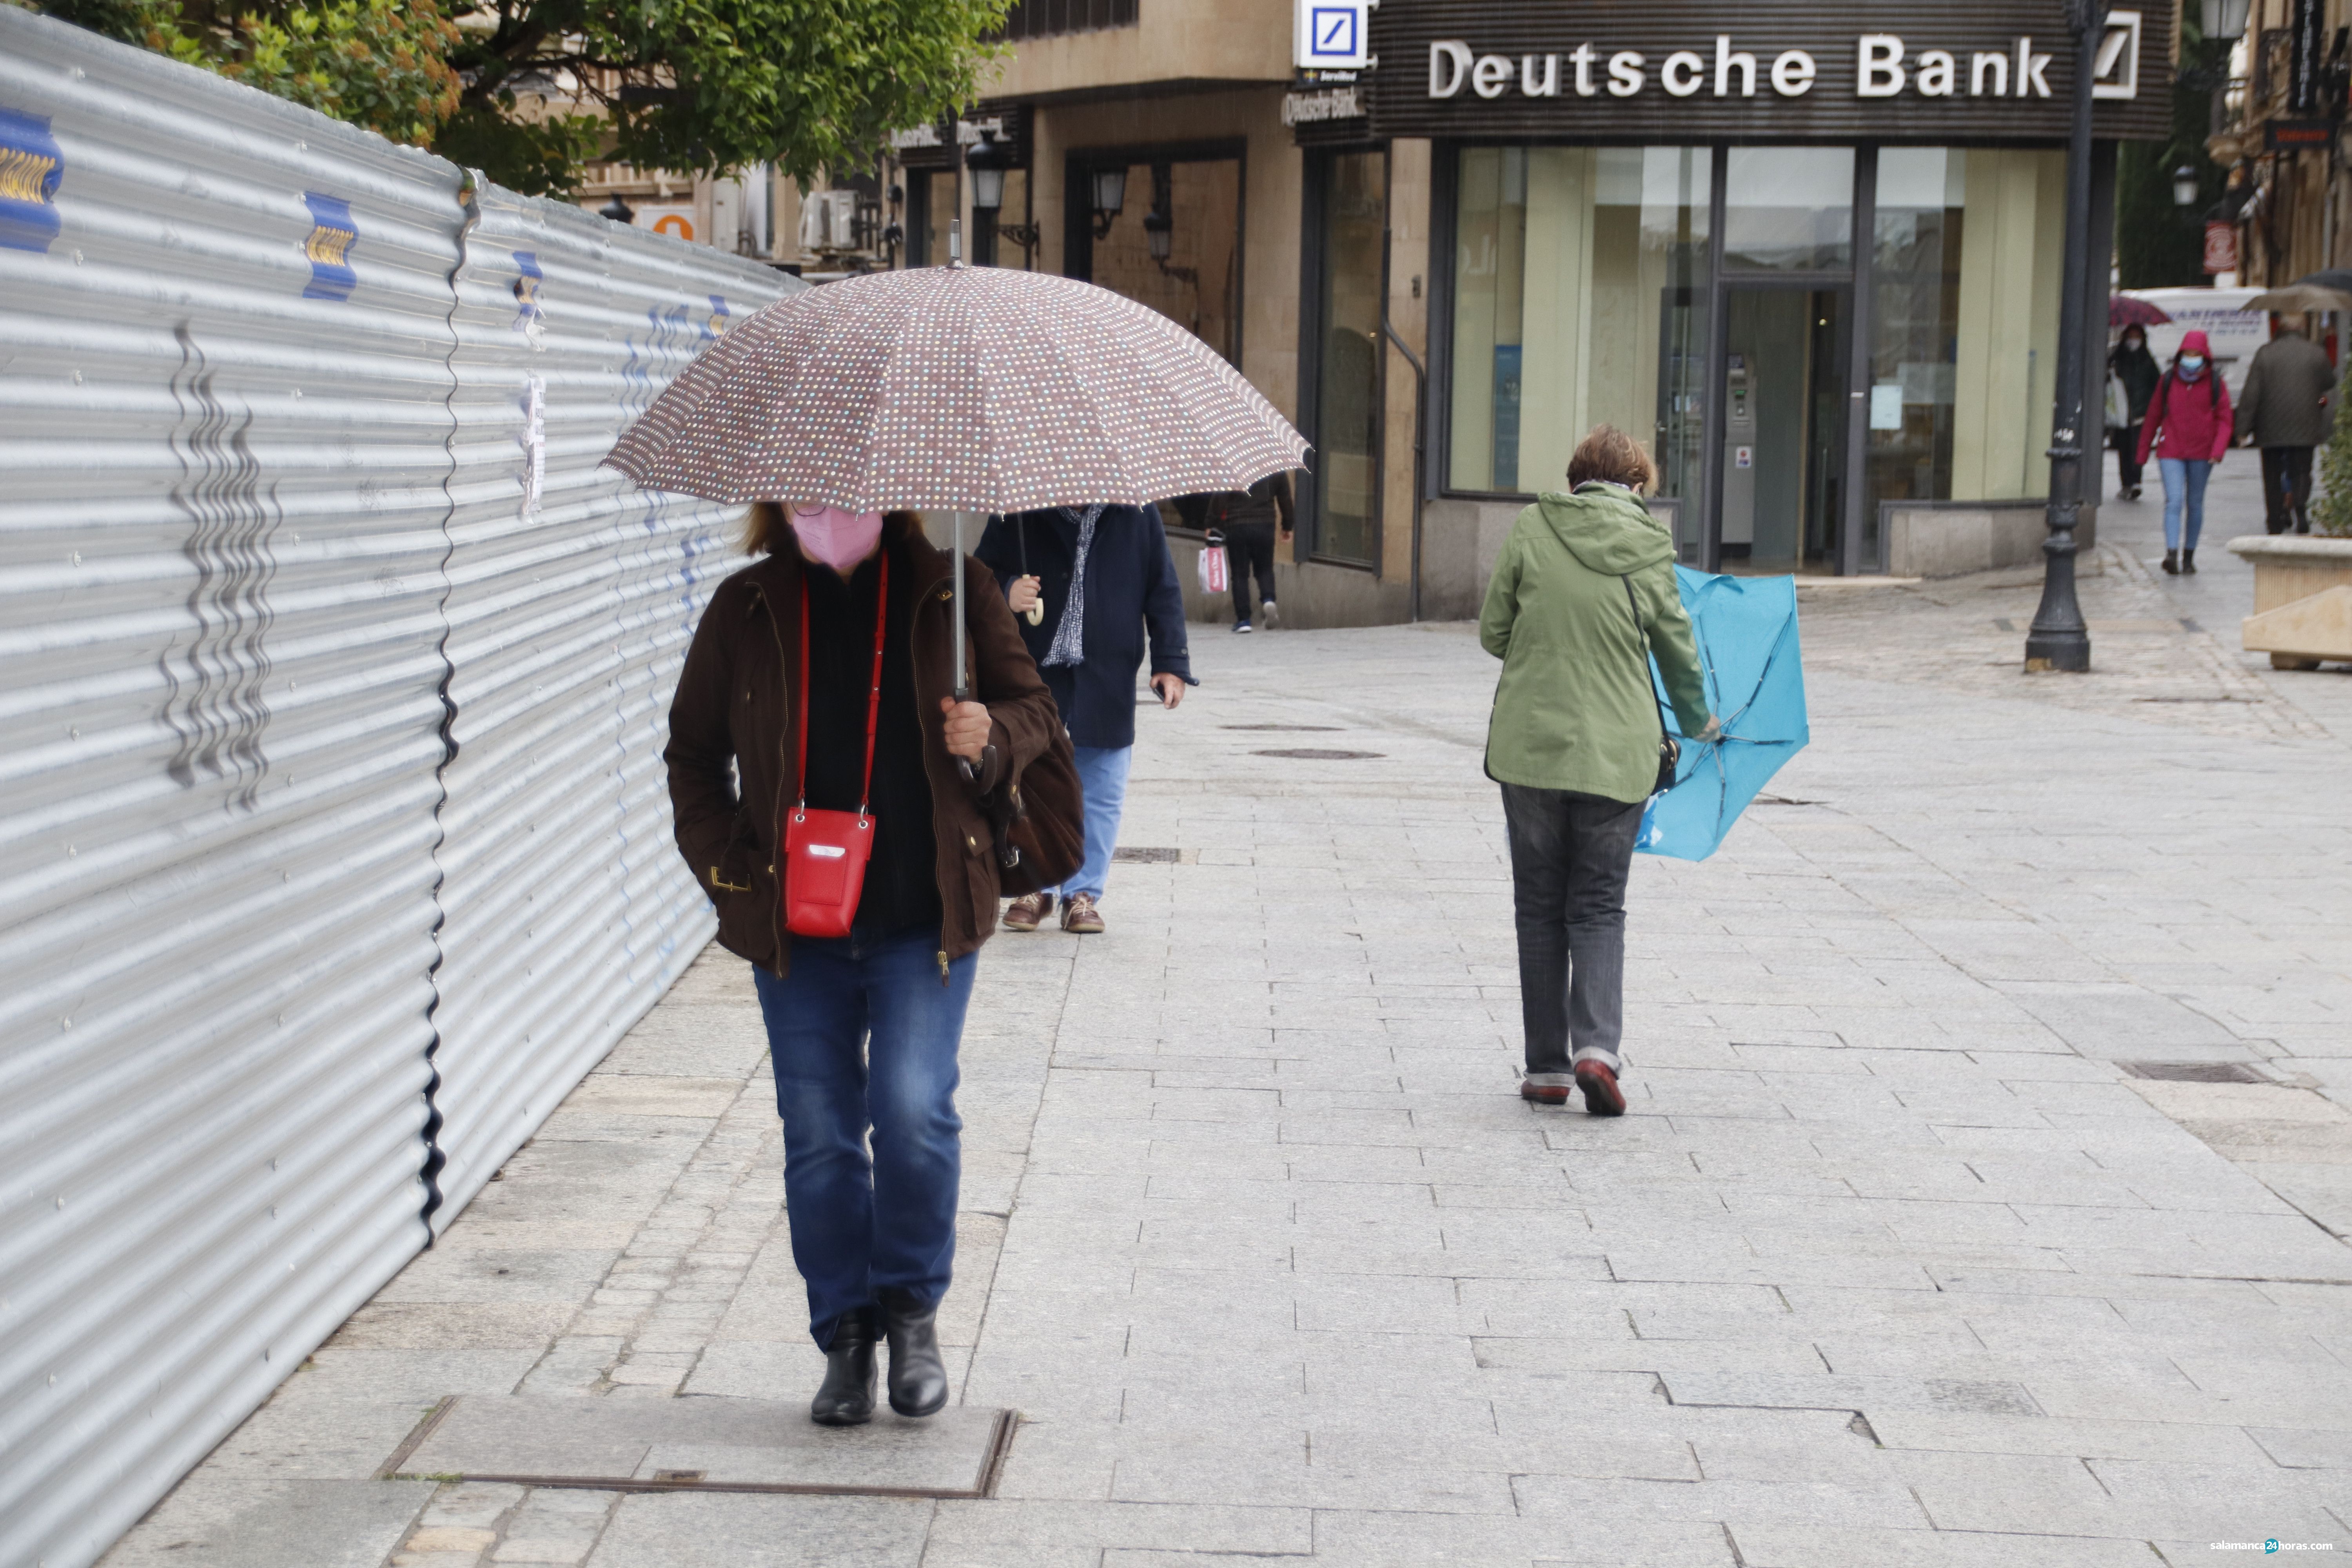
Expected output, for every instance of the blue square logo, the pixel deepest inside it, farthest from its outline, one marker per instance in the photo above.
(1331, 32)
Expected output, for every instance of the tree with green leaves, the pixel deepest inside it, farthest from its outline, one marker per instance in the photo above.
(382, 64)
(532, 90)
(2157, 244)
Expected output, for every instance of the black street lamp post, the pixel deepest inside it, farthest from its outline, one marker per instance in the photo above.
(2059, 639)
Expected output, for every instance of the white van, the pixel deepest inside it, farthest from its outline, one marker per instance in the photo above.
(2234, 332)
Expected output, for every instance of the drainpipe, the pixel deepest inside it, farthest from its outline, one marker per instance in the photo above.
(1419, 427)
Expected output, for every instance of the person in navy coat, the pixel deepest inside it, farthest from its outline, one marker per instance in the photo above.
(1088, 646)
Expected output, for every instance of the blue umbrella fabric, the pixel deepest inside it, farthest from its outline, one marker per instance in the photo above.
(1747, 653)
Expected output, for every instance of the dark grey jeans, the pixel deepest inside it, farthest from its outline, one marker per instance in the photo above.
(1570, 855)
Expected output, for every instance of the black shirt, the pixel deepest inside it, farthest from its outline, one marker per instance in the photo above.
(902, 886)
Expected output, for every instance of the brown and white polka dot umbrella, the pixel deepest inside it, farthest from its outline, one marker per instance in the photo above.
(962, 389)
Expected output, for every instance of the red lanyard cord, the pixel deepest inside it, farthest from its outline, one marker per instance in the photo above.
(873, 695)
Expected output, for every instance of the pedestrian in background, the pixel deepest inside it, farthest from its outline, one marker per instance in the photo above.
(1105, 578)
(821, 677)
(1583, 594)
(2131, 363)
(2188, 429)
(2287, 409)
(1248, 519)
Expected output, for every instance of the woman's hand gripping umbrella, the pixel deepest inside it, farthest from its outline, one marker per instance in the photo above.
(1746, 629)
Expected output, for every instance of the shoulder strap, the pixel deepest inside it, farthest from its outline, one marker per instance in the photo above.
(1642, 632)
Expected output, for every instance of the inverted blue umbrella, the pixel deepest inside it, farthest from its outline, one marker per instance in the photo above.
(1746, 633)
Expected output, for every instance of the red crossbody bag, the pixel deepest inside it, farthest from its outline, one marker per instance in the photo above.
(825, 852)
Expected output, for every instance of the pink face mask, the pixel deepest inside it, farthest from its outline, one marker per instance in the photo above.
(839, 539)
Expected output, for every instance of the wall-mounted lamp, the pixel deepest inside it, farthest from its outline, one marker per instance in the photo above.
(2184, 186)
(1109, 194)
(987, 161)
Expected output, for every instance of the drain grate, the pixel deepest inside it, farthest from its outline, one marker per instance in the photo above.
(2194, 1072)
(1314, 754)
(1321, 728)
(1137, 855)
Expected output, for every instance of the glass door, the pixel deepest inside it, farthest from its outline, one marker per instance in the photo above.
(1784, 436)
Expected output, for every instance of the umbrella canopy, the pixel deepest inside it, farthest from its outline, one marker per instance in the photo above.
(1746, 632)
(2337, 278)
(958, 389)
(2125, 310)
(2298, 298)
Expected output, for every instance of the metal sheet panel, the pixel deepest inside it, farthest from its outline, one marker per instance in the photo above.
(573, 595)
(224, 385)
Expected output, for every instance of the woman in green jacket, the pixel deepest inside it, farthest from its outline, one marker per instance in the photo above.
(1582, 594)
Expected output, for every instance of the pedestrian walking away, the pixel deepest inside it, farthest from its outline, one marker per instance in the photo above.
(1583, 594)
(821, 677)
(2188, 429)
(1249, 520)
(1105, 580)
(2131, 363)
(2286, 408)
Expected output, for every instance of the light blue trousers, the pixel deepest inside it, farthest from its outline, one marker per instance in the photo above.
(1102, 774)
(2184, 487)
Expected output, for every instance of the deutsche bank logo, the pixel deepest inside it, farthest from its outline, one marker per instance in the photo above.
(1332, 35)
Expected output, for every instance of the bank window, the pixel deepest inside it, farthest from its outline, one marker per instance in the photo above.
(1348, 435)
(1580, 299)
(1788, 209)
(1914, 325)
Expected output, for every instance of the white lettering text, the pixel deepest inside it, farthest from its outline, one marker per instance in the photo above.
(1682, 73)
(1549, 85)
(1490, 76)
(1582, 61)
(1980, 63)
(1624, 73)
(1793, 74)
(1880, 72)
(1724, 62)
(1937, 70)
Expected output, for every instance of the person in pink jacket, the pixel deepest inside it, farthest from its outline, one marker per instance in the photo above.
(2188, 428)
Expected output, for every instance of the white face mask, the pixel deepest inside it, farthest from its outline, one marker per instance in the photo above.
(2192, 363)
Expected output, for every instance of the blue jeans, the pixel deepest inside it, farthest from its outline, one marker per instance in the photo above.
(1102, 774)
(2184, 484)
(865, 1037)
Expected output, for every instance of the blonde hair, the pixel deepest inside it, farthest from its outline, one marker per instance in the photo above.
(1608, 453)
(767, 527)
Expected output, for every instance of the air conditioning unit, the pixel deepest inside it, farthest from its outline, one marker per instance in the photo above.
(829, 220)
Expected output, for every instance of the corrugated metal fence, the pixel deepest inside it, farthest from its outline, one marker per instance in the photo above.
(334, 847)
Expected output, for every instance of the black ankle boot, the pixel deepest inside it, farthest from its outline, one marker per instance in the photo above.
(846, 1397)
(2172, 563)
(2188, 561)
(918, 1379)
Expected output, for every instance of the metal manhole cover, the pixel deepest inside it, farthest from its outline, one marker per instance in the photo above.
(702, 1443)
(1133, 855)
(1315, 754)
(1322, 728)
(2194, 1072)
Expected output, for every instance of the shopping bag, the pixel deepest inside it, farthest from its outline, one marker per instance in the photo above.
(2118, 402)
(1213, 576)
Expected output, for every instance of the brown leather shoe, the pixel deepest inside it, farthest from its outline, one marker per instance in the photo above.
(1601, 1095)
(1546, 1088)
(1079, 915)
(1024, 912)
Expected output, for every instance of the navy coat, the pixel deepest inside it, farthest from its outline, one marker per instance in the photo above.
(1132, 585)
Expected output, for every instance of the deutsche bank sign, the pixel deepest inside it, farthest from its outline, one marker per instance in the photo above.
(1332, 35)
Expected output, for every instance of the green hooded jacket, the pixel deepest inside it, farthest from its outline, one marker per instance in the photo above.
(1574, 709)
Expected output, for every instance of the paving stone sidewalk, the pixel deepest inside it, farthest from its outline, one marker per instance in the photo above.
(1894, 1261)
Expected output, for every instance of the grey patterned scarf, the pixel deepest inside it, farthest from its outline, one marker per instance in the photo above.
(1070, 632)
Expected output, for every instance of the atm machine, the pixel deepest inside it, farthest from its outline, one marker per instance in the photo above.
(1738, 534)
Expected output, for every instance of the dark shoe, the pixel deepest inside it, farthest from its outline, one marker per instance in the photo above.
(1079, 915)
(1546, 1088)
(2189, 562)
(918, 1379)
(1601, 1095)
(1024, 912)
(2172, 563)
(1241, 626)
(846, 1397)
